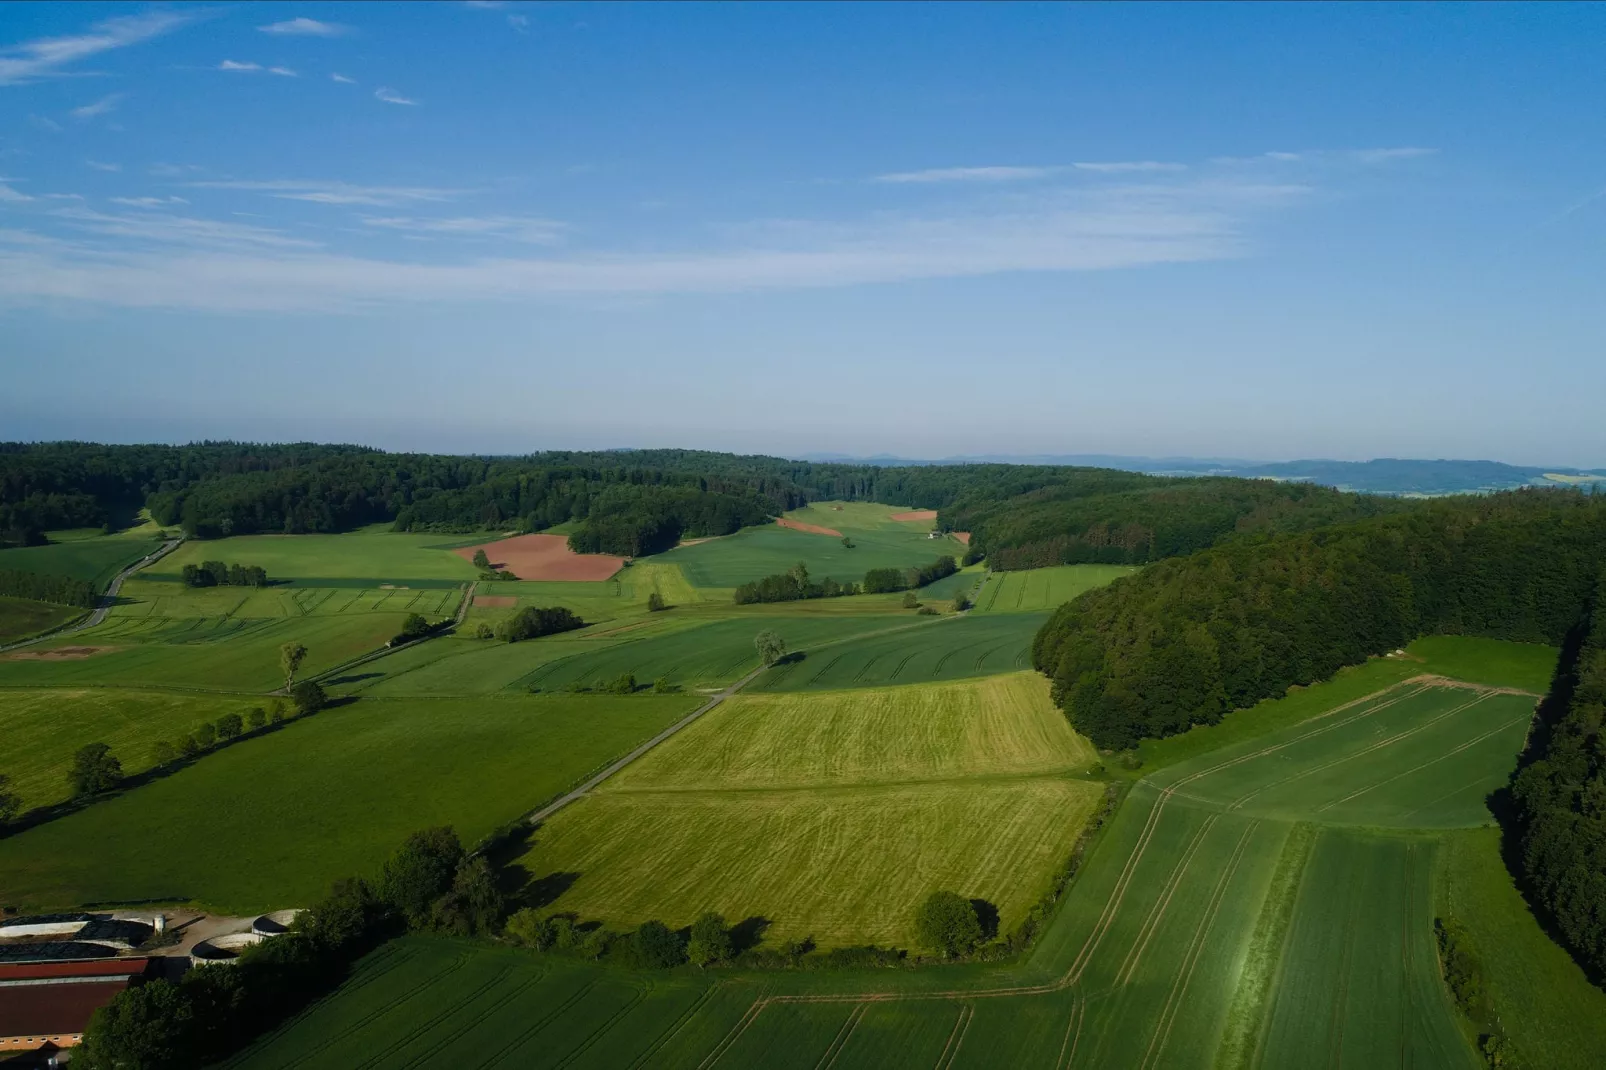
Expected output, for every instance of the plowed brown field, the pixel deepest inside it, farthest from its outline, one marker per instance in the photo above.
(544, 557)
(813, 529)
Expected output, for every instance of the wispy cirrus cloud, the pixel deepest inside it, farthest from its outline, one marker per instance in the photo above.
(100, 166)
(105, 104)
(9, 195)
(304, 27)
(148, 202)
(342, 79)
(332, 192)
(967, 174)
(254, 68)
(48, 56)
(1055, 230)
(1128, 167)
(390, 96)
(518, 228)
(168, 229)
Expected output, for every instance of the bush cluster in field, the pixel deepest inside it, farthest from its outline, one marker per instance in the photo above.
(219, 574)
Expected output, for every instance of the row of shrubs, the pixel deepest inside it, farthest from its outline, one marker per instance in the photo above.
(307, 697)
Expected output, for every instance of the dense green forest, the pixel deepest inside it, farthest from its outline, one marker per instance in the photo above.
(1561, 802)
(1188, 639)
(1131, 520)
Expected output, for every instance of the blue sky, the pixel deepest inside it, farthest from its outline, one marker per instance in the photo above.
(1258, 231)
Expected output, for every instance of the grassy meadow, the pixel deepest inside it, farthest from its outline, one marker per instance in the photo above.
(939, 649)
(310, 560)
(22, 617)
(270, 821)
(97, 559)
(878, 542)
(44, 728)
(1043, 588)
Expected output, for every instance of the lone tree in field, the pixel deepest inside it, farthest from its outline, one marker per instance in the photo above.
(481, 561)
(291, 655)
(947, 924)
(771, 647)
(656, 603)
(710, 941)
(308, 697)
(94, 770)
(10, 802)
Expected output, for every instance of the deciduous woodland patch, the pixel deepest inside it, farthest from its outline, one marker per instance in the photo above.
(812, 529)
(544, 557)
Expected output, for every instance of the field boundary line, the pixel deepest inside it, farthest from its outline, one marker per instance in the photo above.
(535, 817)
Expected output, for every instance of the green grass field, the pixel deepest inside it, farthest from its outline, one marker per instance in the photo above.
(44, 728)
(1043, 588)
(1552, 1015)
(939, 649)
(201, 653)
(22, 617)
(270, 821)
(1243, 909)
(752, 553)
(821, 812)
(96, 559)
(312, 560)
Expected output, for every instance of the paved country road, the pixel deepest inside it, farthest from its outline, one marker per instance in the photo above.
(107, 600)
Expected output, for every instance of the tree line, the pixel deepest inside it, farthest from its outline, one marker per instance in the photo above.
(62, 590)
(1188, 639)
(1561, 800)
(791, 586)
(883, 580)
(219, 574)
(634, 502)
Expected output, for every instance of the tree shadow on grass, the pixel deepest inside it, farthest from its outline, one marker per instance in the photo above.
(987, 914)
(748, 933)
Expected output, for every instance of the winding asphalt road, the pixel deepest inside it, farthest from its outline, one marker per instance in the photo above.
(107, 600)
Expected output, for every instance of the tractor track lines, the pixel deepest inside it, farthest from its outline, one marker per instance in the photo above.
(956, 1037)
(1190, 961)
(1151, 924)
(842, 1037)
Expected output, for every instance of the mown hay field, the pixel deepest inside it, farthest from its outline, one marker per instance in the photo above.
(833, 813)
(951, 648)
(1038, 589)
(270, 821)
(846, 866)
(22, 617)
(995, 726)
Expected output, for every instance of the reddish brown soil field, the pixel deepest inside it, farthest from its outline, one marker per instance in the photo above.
(963, 536)
(544, 557)
(812, 529)
(495, 601)
(916, 514)
(61, 653)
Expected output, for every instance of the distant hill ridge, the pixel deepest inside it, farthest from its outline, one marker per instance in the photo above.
(1384, 475)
